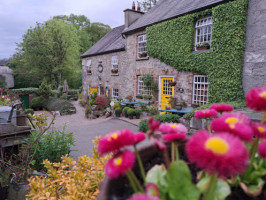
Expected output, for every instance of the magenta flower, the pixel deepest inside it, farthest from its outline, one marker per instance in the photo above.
(256, 99)
(222, 154)
(153, 124)
(139, 137)
(116, 140)
(208, 113)
(259, 130)
(172, 128)
(235, 123)
(222, 107)
(1, 89)
(152, 190)
(262, 149)
(120, 164)
(142, 197)
(174, 136)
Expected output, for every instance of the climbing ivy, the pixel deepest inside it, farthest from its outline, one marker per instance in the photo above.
(172, 42)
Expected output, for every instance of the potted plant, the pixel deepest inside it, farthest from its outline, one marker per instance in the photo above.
(203, 46)
(124, 111)
(129, 98)
(114, 71)
(143, 55)
(137, 113)
(118, 111)
(139, 96)
(172, 83)
(130, 113)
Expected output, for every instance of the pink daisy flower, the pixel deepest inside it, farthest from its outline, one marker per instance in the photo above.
(120, 164)
(116, 140)
(222, 107)
(153, 124)
(262, 149)
(256, 99)
(259, 130)
(208, 113)
(235, 123)
(142, 197)
(139, 137)
(172, 137)
(152, 190)
(172, 128)
(222, 154)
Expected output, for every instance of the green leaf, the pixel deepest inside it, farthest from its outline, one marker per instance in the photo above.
(180, 186)
(222, 188)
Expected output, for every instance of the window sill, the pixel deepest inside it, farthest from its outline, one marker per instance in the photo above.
(144, 58)
(89, 73)
(115, 74)
(201, 51)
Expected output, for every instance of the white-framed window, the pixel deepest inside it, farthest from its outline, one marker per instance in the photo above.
(114, 62)
(88, 66)
(142, 46)
(142, 88)
(203, 31)
(200, 89)
(114, 93)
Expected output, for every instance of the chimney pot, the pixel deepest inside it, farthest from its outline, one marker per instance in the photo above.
(138, 8)
(133, 6)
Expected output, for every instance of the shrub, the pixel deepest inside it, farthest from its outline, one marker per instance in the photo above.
(29, 111)
(38, 102)
(153, 110)
(117, 105)
(70, 179)
(52, 146)
(101, 102)
(124, 111)
(118, 110)
(88, 109)
(25, 90)
(167, 118)
(143, 125)
(55, 104)
(138, 111)
(45, 89)
(131, 111)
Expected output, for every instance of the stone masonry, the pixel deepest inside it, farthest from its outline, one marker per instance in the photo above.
(254, 70)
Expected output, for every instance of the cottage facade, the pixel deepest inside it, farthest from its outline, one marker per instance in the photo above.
(116, 64)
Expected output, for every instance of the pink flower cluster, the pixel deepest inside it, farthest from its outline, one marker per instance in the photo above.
(256, 99)
(208, 113)
(173, 131)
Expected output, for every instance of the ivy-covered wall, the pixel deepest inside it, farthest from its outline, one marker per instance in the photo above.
(172, 42)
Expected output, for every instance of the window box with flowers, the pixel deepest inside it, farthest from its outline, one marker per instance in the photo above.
(114, 71)
(203, 46)
(139, 96)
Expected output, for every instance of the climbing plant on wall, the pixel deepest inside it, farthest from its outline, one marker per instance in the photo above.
(172, 42)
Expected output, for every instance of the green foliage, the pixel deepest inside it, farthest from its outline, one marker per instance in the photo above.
(118, 110)
(45, 89)
(52, 146)
(235, 104)
(2, 83)
(124, 111)
(25, 90)
(172, 42)
(55, 104)
(168, 117)
(147, 79)
(29, 111)
(131, 111)
(38, 102)
(152, 110)
(138, 111)
(143, 125)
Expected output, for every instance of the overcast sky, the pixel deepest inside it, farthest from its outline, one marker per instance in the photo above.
(16, 16)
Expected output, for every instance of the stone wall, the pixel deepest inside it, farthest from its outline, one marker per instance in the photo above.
(6, 75)
(254, 71)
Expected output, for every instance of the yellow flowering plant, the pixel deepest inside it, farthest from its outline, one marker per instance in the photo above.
(69, 179)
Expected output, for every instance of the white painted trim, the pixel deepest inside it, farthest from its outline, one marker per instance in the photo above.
(159, 86)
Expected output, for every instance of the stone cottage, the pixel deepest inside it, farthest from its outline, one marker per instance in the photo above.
(6, 76)
(193, 50)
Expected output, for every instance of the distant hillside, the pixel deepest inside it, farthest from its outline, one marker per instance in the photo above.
(4, 61)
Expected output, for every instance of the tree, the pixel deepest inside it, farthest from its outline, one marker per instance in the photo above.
(51, 50)
(147, 4)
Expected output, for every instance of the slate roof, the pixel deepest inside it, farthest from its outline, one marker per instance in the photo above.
(111, 42)
(167, 9)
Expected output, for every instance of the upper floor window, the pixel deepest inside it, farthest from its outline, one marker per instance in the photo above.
(203, 34)
(142, 88)
(142, 46)
(89, 66)
(114, 93)
(114, 62)
(200, 89)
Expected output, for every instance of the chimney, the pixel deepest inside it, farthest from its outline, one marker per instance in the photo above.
(138, 8)
(132, 15)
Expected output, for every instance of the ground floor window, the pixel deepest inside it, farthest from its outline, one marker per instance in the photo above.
(200, 89)
(142, 88)
(114, 93)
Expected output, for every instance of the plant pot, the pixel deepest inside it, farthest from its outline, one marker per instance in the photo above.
(130, 116)
(3, 192)
(18, 191)
(126, 115)
(144, 114)
(137, 116)
(202, 48)
(22, 120)
(178, 107)
(117, 114)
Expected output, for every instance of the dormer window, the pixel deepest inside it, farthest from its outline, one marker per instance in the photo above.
(142, 46)
(89, 66)
(203, 34)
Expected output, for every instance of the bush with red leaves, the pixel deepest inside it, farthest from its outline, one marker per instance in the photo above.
(101, 102)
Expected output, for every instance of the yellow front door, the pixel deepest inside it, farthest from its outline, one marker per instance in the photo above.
(93, 89)
(166, 91)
